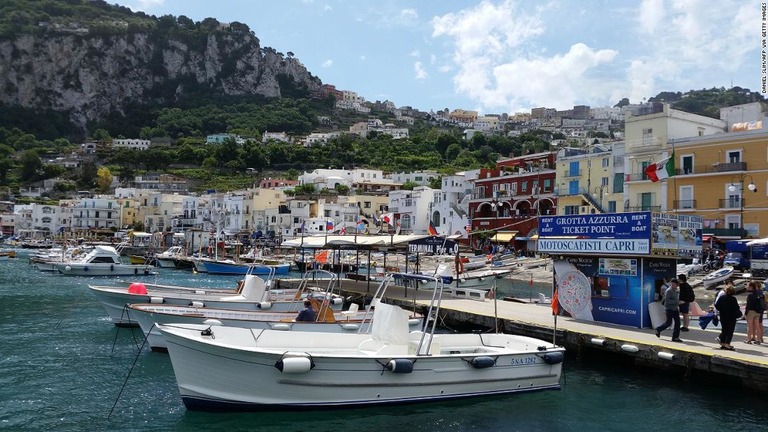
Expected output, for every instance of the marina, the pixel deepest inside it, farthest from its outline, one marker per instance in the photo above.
(67, 367)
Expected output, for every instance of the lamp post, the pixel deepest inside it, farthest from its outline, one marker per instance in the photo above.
(732, 188)
(598, 194)
(495, 208)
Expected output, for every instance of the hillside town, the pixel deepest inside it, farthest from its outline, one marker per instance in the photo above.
(720, 174)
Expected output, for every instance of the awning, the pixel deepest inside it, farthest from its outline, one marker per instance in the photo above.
(706, 238)
(503, 236)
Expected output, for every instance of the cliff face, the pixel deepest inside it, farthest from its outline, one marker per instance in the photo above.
(91, 76)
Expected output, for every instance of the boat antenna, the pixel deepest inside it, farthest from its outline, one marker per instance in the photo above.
(495, 305)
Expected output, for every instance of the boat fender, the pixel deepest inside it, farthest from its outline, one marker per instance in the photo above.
(414, 321)
(280, 326)
(212, 322)
(199, 292)
(481, 278)
(553, 358)
(399, 366)
(350, 326)
(295, 365)
(135, 271)
(111, 267)
(482, 362)
(85, 268)
(263, 305)
(146, 271)
(337, 300)
(68, 268)
(197, 304)
(156, 300)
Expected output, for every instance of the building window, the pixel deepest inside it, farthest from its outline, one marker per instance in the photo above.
(687, 164)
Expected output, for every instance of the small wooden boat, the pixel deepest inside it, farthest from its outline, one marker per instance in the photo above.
(718, 276)
(7, 254)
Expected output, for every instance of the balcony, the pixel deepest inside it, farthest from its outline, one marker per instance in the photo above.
(685, 204)
(711, 169)
(732, 203)
(571, 173)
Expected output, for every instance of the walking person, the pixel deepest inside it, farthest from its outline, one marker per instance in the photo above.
(687, 296)
(729, 310)
(752, 313)
(672, 302)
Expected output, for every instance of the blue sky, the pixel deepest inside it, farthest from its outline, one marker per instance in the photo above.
(503, 55)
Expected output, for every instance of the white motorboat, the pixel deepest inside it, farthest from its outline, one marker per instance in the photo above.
(102, 261)
(692, 268)
(254, 294)
(167, 258)
(272, 369)
(718, 276)
(351, 320)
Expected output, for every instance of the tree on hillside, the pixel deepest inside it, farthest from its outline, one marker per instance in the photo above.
(30, 164)
(103, 178)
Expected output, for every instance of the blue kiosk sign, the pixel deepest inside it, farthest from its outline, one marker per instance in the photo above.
(614, 234)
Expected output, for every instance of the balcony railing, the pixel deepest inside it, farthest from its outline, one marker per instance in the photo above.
(685, 204)
(573, 173)
(732, 203)
(715, 168)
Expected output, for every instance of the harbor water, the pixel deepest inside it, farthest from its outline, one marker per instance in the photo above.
(65, 367)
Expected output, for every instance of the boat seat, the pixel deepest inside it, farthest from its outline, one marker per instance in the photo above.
(352, 311)
(544, 299)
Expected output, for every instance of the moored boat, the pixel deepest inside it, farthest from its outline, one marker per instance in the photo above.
(102, 261)
(718, 276)
(254, 294)
(271, 369)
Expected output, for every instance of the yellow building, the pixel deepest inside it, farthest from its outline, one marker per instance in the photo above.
(724, 179)
(587, 180)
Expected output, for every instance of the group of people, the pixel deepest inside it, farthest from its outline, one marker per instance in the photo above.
(678, 295)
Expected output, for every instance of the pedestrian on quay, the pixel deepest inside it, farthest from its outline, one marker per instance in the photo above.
(687, 296)
(730, 311)
(672, 302)
(753, 310)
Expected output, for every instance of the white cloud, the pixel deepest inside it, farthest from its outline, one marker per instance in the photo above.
(432, 59)
(145, 5)
(327, 8)
(409, 14)
(421, 73)
(415, 53)
(703, 45)
(326, 64)
(650, 15)
(362, 57)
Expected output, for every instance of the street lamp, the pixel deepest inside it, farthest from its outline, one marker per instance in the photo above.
(732, 188)
(599, 194)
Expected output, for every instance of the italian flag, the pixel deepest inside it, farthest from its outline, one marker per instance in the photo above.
(662, 169)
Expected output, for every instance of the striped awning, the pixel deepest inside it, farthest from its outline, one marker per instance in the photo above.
(503, 236)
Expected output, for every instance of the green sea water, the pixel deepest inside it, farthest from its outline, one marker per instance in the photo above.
(65, 367)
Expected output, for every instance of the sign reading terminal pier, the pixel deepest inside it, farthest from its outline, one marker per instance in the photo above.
(615, 234)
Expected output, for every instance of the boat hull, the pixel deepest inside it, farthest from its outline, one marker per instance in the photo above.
(114, 301)
(248, 379)
(104, 269)
(219, 268)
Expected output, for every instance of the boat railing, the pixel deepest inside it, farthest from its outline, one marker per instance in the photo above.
(312, 277)
(430, 323)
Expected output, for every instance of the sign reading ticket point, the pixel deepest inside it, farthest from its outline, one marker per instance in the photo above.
(610, 267)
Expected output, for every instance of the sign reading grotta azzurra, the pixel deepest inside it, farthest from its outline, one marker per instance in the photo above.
(615, 234)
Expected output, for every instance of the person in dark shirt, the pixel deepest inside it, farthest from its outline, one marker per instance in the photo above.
(672, 309)
(687, 296)
(306, 314)
(729, 310)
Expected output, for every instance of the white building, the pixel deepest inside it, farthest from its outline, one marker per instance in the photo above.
(131, 143)
(449, 209)
(275, 136)
(319, 138)
(411, 209)
(97, 212)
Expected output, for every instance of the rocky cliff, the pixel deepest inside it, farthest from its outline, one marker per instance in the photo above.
(90, 74)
